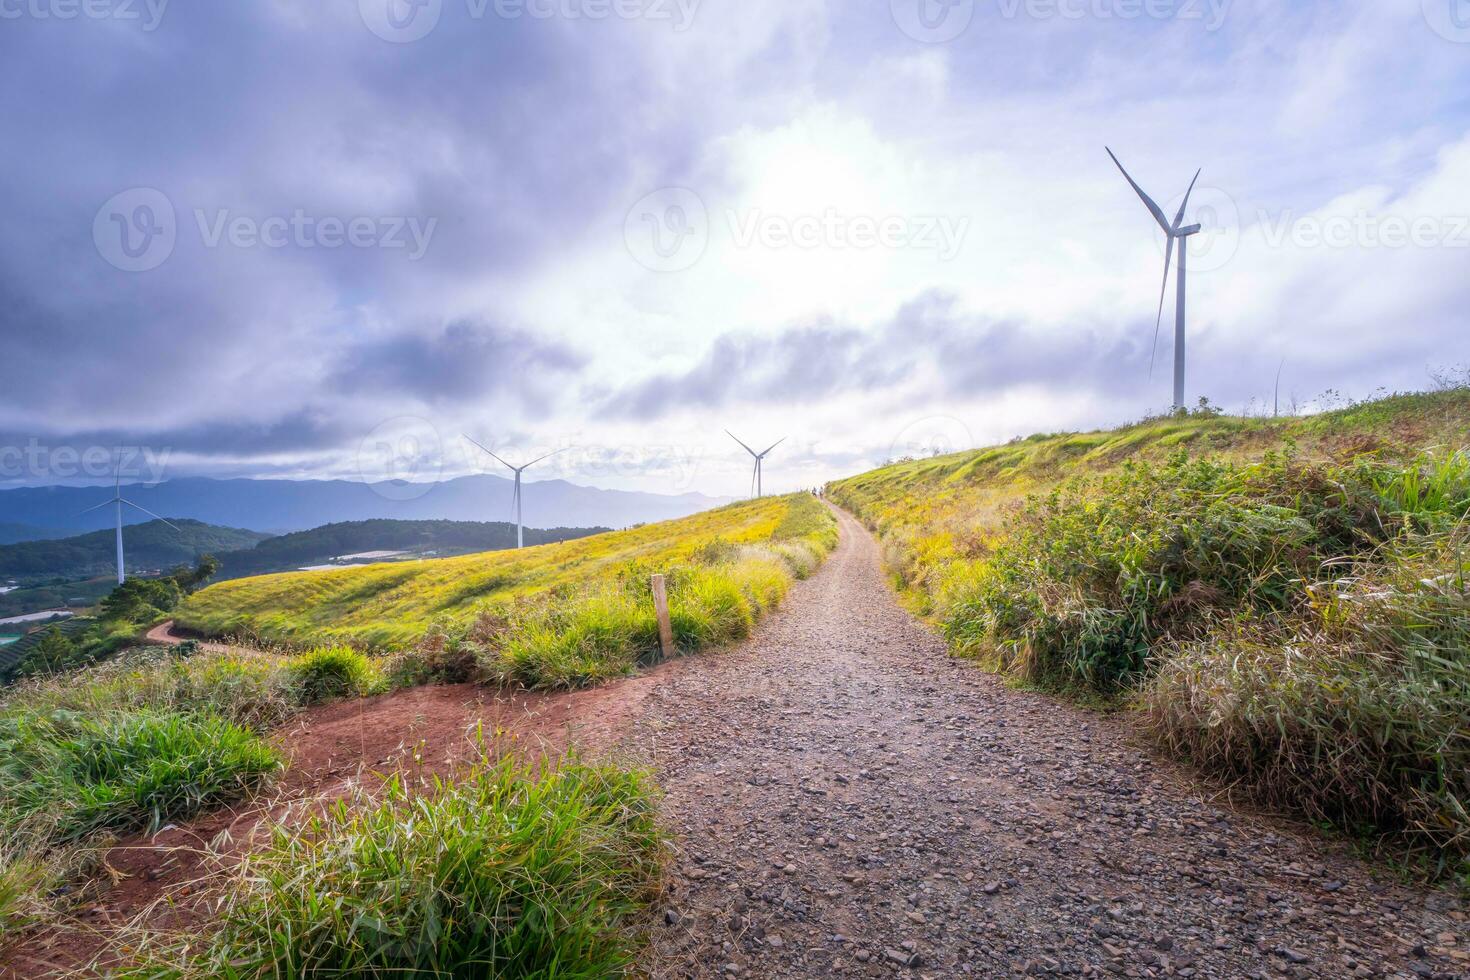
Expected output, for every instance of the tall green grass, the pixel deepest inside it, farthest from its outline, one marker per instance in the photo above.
(131, 744)
(587, 631)
(509, 871)
(389, 608)
(1289, 608)
(576, 638)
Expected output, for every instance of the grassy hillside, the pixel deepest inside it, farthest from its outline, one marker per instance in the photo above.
(322, 544)
(156, 735)
(391, 606)
(150, 546)
(1284, 600)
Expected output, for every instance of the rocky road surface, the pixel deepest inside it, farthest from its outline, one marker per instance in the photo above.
(850, 801)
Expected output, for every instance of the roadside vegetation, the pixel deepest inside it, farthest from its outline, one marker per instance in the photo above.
(510, 870)
(1285, 601)
(127, 746)
(390, 607)
(91, 755)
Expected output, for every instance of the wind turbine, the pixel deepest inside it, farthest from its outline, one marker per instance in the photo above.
(516, 499)
(1177, 232)
(755, 475)
(118, 500)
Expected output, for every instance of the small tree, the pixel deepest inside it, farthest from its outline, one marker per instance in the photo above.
(53, 653)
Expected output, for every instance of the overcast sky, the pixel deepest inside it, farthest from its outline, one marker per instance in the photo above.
(277, 238)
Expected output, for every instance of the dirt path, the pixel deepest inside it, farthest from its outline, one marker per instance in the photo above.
(850, 800)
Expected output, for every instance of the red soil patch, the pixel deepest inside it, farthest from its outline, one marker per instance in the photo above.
(168, 879)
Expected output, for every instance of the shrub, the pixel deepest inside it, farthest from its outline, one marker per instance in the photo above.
(331, 673)
(508, 872)
(438, 659)
(1354, 711)
(1083, 583)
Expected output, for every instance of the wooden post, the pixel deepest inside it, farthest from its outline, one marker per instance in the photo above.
(661, 608)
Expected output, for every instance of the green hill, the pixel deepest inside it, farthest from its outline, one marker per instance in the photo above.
(391, 606)
(148, 547)
(1284, 600)
(416, 538)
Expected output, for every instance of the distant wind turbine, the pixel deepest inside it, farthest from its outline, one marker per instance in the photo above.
(757, 490)
(1176, 232)
(516, 499)
(1276, 398)
(118, 500)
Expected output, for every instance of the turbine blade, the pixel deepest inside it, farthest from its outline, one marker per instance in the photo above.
(1163, 291)
(105, 503)
(742, 445)
(773, 446)
(496, 458)
(547, 456)
(1153, 208)
(151, 514)
(1179, 218)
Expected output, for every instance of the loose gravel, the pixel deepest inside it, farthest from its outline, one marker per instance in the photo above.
(850, 801)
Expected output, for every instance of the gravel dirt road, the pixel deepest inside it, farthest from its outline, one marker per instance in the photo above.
(849, 800)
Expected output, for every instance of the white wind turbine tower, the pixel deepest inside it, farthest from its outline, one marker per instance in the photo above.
(755, 475)
(1177, 232)
(516, 499)
(118, 500)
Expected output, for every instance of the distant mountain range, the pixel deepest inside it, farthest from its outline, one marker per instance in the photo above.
(279, 506)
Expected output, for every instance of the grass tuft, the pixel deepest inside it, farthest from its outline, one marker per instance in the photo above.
(509, 871)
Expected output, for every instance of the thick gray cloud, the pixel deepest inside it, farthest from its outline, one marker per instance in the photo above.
(457, 363)
(510, 136)
(969, 355)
